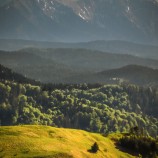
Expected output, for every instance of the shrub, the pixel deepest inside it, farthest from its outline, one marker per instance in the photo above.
(94, 148)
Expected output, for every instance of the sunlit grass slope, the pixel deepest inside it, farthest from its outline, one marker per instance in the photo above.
(50, 142)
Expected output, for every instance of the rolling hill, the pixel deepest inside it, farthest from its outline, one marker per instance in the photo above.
(133, 74)
(113, 46)
(7, 74)
(85, 59)
(50, 142)
(68, 65)
(35, 67)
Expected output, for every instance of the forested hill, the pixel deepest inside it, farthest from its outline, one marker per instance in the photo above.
(96, 108)
(91, 107)
(136, 74)
(8, 74)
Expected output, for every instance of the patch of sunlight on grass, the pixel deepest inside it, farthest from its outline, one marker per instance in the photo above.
(50, 142)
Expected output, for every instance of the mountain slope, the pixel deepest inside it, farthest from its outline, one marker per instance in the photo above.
(133, 74)
(94, 61)
(118, 47)
(67, 65)
(46, 142)
(82, 20)
(26, 19)
(123, 47)
(7, 74)
(35, 67)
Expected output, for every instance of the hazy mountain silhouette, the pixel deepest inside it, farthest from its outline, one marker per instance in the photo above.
(114, 46)
(68, 65)
(7, 74)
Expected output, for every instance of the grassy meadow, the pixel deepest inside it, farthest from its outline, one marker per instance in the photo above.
(49, 142)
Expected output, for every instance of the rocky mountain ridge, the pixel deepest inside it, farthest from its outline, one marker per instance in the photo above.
(79, 20)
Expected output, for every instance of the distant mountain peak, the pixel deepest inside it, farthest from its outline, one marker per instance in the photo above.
(80, 9)
(80, 20)
(48, 7)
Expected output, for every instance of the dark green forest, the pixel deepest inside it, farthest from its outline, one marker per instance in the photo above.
(135, 141)
(96, 108)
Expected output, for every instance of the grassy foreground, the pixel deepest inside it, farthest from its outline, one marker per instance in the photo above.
(50, 142)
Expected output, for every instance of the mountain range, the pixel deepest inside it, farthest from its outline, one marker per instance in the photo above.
(69, 65)
(40, 40)
(79, 20)
(113, 46)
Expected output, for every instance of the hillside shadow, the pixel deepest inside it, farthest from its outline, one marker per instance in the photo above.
(90, 151)
(125, 150)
